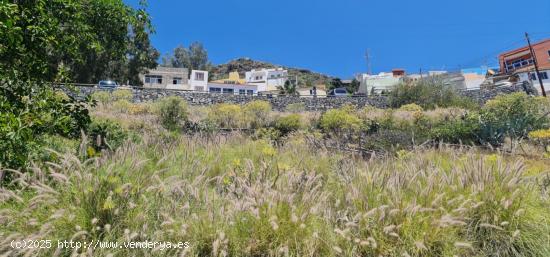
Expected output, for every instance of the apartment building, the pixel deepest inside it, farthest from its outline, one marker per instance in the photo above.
(521, 59)
(521, 63)
(267, 79)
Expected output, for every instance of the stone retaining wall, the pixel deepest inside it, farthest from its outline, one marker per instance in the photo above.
(281, 102)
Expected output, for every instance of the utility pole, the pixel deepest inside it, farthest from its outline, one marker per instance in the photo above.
(533, 55)
(367, 56)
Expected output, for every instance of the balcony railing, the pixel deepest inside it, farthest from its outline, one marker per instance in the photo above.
(519, 64)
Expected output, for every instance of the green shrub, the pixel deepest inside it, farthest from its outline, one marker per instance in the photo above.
(462, 130)
(203, 126)
(428, 94)
(227, 116)
(340, 120)
(270, 134)
(122, 94)
(24, 120)
(389, 141)
(257, 113)
(512, 115)
(104, 134)
(101, 96)
(288, 124)
(51, 146)
(172, 112)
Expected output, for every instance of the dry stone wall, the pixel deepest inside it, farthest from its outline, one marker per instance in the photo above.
(281, 102)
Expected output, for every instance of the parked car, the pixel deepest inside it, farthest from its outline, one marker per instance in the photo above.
(107, 84)
(338, 92)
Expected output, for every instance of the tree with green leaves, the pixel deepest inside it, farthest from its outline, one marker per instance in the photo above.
(289, 89)
(335, 83)
(353, 86)
(45, 43)
(195, 57)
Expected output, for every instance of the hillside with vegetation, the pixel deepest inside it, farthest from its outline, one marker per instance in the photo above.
(195, 57)
(236, 180)
(305, 77)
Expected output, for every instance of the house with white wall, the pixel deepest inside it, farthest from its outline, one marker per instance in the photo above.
(198, 80)
(166, 78)
(531, 77)
(233, 85)
(267, 79)
(382, 82)
(232, 89)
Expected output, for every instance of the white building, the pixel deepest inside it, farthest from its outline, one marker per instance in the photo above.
(166, 78)
(532, 78)
(383, 82)
(198, 80)
(267, 79)
(232, 89)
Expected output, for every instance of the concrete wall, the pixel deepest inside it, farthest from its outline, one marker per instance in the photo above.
(280, 103)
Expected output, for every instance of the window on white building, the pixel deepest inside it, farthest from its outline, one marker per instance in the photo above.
(228, 91)
(153, 79)
(177, 81)
(250, 92)
(199, 76)
(242, 91)
(215, 90)
(543, 75)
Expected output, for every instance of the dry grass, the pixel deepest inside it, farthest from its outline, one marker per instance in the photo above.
(231, 196)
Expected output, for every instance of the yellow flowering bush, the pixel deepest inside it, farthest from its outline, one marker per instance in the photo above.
(257, 113)
(541, 134)
(411, 108)
(226, 115)
(338, 120)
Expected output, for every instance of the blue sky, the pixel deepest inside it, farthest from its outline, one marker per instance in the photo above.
(332, 37)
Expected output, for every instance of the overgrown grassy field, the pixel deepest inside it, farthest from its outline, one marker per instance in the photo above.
(248, 181)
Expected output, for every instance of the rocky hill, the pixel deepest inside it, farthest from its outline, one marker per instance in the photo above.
(241, 65)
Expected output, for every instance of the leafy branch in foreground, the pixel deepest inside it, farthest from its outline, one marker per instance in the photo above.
(48, 42)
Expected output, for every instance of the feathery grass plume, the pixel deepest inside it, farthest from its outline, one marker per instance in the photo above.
(278, 200)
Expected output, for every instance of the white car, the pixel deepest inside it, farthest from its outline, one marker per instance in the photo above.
(338, 92)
